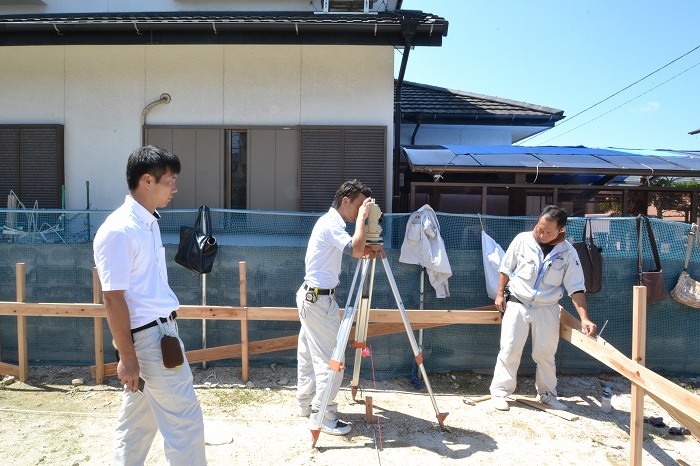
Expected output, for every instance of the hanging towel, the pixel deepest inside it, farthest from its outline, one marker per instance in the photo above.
(492, 253)
(424, 246)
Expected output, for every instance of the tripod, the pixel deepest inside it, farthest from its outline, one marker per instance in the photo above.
(359, 300)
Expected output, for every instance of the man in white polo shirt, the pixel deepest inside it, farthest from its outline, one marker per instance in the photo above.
(318, 310)
(140, 307)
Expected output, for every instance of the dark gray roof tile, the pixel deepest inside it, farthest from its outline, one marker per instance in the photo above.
(438, 104)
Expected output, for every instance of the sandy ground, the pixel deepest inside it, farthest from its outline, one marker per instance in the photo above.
(48, 421)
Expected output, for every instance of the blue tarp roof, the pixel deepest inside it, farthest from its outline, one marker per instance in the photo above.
(553, 159)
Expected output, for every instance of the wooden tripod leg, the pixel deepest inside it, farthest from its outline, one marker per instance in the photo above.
(360, 342)
(335, 365)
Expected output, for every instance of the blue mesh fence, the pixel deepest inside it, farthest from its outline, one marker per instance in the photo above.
(57, 250)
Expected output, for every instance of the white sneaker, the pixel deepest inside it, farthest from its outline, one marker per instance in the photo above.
(500, 403)
(551, 401)
(335, 427)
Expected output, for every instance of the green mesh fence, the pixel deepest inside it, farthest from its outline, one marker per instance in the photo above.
(56, 248)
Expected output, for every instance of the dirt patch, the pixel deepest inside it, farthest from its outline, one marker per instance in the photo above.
(49, 421)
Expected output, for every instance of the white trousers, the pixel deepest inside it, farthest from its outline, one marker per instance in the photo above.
(168, 403)
(518, 320)
(320, 322)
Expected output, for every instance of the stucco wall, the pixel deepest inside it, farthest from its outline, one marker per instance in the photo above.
(82, 6)
(452, 134)
(99, 93)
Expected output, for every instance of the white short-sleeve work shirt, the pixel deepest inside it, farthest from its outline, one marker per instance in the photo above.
(324, 254)
(129, 255)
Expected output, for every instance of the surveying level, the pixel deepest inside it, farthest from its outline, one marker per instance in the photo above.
(373, 231)
(358, 302)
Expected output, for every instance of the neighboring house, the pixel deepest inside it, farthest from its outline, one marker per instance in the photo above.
(509, 180)
(457, 155)
(269, 104)
(435, 115)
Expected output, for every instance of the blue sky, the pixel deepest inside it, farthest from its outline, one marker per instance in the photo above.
(571, 54)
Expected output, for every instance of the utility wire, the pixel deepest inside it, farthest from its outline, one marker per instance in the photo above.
(622, 104)
(568, 119)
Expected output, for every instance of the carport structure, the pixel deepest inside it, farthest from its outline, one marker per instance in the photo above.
(519, 180)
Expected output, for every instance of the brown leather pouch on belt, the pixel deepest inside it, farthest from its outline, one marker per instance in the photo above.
(172, 352)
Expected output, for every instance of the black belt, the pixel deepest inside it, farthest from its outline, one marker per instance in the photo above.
(513, 299)
(172, 316)
(319, 291)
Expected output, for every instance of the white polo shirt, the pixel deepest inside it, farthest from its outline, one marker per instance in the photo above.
(536, 279)
(130, 256)
(324, 254)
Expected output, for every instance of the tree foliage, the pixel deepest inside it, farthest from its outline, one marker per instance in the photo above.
(669, 203)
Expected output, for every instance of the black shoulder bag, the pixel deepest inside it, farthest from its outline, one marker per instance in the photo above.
(197, 248)
(653, 279)
(591, 259)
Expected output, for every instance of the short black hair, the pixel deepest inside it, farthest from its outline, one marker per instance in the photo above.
(150, 159)
(552, 212)
(351, 189)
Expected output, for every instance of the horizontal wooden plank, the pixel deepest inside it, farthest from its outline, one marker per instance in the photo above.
(447, 317)
(481, 315)
(212, 312)
(265, 346)
(52, 309)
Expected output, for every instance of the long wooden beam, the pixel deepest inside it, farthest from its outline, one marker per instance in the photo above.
(682, 405)
(51, 309)
(266, 346)
(479, 315)
(391, 317)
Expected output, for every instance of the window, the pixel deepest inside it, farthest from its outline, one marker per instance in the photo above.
(31, 157)
(330, 156)
(238, 168)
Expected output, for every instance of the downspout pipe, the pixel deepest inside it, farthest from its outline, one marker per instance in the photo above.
(163, 99)
(415, 131)
(408, 30)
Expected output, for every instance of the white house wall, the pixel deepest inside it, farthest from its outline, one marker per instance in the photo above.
(118, 6)
(454, 134)
(99, 92)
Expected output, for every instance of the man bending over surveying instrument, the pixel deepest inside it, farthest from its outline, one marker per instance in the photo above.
(318, 309)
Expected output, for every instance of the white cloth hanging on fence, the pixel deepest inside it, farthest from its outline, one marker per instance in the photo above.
(424, 246)
(491, 253)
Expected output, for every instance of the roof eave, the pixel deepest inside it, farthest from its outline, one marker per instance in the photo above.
(480, 119)
(383, 30)
(430, 169)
